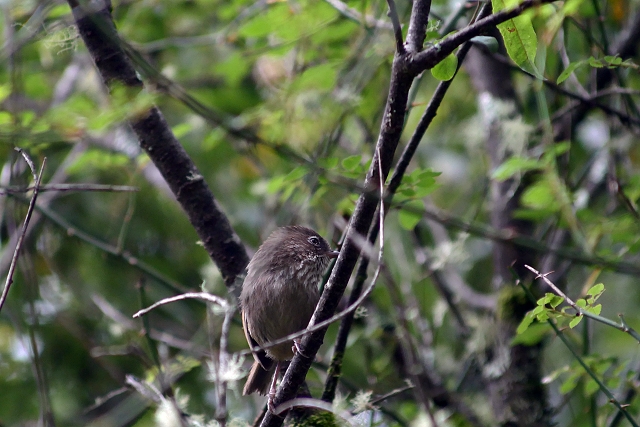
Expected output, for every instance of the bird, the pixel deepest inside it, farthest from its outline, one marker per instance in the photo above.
(278, 298)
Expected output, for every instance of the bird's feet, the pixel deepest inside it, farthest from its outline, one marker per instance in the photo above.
(296, 348)
(270, 405)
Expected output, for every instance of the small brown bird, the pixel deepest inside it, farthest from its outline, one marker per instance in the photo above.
(279, 296)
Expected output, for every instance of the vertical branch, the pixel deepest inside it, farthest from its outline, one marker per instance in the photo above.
(397, 28)
(390, 131)
(223, 366)
(361, 273)
(418, 25)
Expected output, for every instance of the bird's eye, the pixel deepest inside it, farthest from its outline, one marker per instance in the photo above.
(314, 241)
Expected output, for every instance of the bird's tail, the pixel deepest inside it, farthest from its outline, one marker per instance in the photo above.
(259, 379)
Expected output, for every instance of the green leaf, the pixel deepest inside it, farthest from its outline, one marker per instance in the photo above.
(410, 214)
(530, 335)
(426, 175)
(570, 69)
(595, 63)
(296, 174)
(575, 321)
(596, 289)
(445, 69)
(424, 190)
(581, 303)
(613, 60)
(590, 387)
(524, 324)
(547, 298)
(5, 90)
(569, 384)
(513, 166)
(556, 301)
(275, 184)
(328, 162)
(321, 77)
(519, 38)
(543, 316)
(540, 196)
(489, 42)
(558, 149)
(596, 309)
(409, 192)
(182, 129)
(351, 163)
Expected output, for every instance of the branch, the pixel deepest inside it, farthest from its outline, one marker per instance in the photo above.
(625, 47)
(354, 15)
(622, 326)
(361, 274)
(622, 408)
(69, 187)
(213, 299)
(25, 225)
(126, 256)
(522, 241)
(589, 101)
(96, 28)
(418, 25)
(397, 28)
(391, 129)
(427, 59)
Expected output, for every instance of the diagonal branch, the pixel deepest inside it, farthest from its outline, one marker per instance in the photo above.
(25, 225)
(427, 59)
(96, 28)
(388, 139)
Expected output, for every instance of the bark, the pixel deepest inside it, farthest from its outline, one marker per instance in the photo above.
(512, 373)
(98, 32)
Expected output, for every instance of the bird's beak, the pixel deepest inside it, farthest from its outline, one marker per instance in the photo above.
(333, 254)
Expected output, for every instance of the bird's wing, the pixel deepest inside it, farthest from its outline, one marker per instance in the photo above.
(260, 356)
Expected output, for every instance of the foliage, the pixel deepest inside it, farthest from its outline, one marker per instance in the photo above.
(280, 105)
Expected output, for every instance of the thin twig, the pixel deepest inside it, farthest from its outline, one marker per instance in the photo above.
(582, 312)
(409, 348)
(580, 99)
(129, 324)
(223, 366)
(312, 403)
(354, 15)
(126, 221)
(144, 388)
(518, 240)
(391, 394)
(23, 231)
(428, 58)
(195, 295)
(397, 28)
(70, 187)
(105, 247)
(612, 399)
